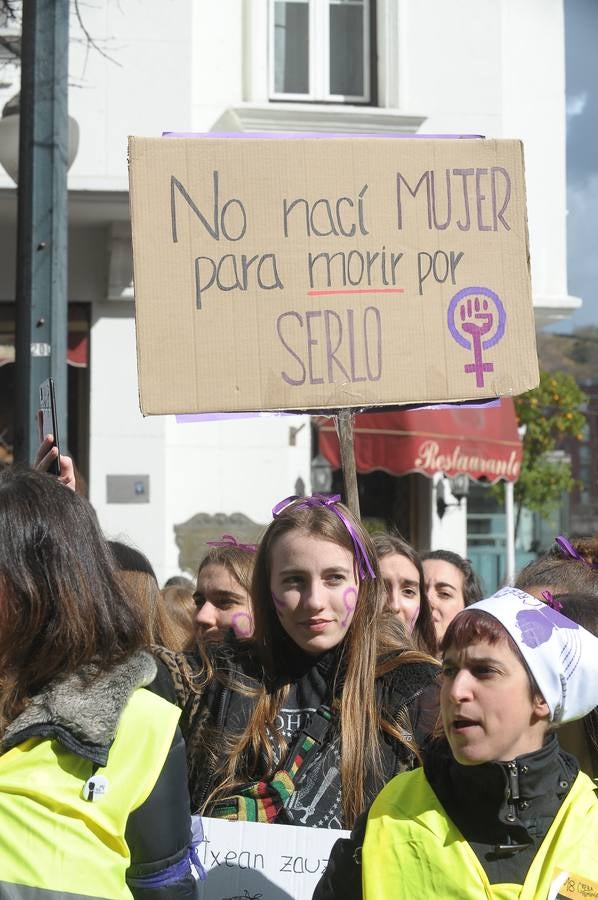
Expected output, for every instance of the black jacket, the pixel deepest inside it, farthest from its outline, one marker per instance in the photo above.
(410, 689)
(83, 716)
(503, 810)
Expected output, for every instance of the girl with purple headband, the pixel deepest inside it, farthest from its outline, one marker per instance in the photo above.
(222, 594)
(305, 723)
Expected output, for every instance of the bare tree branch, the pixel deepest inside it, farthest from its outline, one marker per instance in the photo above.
(88, 37)
(11, 12)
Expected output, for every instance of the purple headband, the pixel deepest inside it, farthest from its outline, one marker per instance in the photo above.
(229, 540)
(330, 501)
(567, 547)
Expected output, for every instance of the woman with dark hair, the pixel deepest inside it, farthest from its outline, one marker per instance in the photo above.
(93, 793)
(304, 723)
(569, 567)
(498, 810)
(401, 570)
(451, 585)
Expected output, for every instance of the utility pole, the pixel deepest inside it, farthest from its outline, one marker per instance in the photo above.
(41, 290)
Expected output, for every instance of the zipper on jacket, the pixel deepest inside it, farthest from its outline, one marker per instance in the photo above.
(512, 797)
(513, 790)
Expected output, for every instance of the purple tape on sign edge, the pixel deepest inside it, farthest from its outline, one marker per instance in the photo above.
(286, 135)
(186, 418)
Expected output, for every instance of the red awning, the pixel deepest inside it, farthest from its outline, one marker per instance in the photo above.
(77, 353)
(482, 442)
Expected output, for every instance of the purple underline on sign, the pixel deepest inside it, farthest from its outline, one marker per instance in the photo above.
(364, 291)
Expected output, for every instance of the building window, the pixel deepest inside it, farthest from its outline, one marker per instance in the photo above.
(322, 50)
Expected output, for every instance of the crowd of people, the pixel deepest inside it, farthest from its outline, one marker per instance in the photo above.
(325, 677)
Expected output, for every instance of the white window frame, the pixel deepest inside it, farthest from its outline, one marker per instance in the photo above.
(257, 112)
(319, 58)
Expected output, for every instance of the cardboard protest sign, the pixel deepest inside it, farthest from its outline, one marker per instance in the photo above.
(328, 273)
(245, 860)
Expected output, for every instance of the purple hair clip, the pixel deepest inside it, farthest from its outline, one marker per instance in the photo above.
(229, 540)
(330, 502)
(567, 547)
(551, 601)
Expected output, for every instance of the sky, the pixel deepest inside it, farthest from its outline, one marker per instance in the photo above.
(581, 61)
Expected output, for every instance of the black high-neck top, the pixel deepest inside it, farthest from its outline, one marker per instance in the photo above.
(503, 809)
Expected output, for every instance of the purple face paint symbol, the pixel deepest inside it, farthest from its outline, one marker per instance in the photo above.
(473, 313)
(240, 630)
(277, 603)
(350, 602)
(537, 625)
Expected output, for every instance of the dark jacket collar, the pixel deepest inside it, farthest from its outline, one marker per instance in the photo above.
(502, 802)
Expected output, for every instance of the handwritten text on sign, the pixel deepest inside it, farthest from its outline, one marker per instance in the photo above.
(275, 862)
(326, 273)
(488, 191)
(473, 198)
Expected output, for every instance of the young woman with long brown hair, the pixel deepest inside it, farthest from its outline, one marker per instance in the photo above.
(403, 578)
(307, 721)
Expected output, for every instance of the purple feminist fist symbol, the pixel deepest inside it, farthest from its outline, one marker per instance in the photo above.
(473, 313)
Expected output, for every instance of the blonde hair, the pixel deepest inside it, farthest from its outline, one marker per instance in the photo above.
(236, 560)
(373, 646)
(178, 610)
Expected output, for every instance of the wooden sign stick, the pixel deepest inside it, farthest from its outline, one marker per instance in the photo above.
(344, 428)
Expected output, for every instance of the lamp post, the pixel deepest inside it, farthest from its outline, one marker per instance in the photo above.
(459, 485)
(321, 475)
(41, 293)
(10, 125)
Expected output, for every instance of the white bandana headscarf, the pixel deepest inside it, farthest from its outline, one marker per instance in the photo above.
(561, 655)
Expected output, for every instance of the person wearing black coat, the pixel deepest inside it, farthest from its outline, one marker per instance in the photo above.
(303, 724)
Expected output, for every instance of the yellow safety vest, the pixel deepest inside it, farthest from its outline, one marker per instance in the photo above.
(55, 841)
(413, 849)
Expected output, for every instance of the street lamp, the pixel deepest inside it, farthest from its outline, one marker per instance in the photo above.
(321, 475)
(459, 486)
(10, 123)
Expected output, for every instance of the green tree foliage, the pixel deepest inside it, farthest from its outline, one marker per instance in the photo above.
(551, 412)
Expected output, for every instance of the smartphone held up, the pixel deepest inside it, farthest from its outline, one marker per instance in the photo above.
(48, 420)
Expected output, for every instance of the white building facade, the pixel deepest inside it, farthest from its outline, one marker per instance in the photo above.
(485, 67)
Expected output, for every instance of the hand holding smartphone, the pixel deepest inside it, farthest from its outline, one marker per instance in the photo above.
(47, 420)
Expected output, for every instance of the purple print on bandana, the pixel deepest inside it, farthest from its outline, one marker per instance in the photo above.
(536, 625)
(475, 313)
